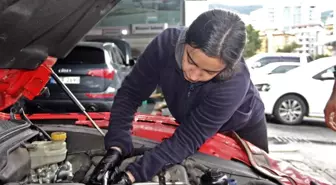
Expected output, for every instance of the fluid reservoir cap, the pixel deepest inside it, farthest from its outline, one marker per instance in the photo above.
(58, 136)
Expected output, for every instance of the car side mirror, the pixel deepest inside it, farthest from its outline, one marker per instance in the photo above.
(327, 76)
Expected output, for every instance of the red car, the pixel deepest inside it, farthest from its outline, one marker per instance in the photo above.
(63, 148)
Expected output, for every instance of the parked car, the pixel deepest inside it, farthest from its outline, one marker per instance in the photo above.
(272, 68)
(124, 50)
(123, 45)
(93, 71)
(303, 91)
(51, 149)
(262, 59)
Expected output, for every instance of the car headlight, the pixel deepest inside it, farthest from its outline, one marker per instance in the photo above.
(263, 87)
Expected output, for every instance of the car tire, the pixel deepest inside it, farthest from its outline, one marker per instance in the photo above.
(290, 110)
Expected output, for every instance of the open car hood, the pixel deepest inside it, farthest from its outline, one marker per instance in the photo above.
(33, 34)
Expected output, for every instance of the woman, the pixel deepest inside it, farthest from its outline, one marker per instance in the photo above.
(207, 88)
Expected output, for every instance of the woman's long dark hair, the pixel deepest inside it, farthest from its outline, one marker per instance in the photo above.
(220, 34)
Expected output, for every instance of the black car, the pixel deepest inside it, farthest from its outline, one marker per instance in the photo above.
(93, 71)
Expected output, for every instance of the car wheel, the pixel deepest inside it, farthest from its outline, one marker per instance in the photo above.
(290, 110)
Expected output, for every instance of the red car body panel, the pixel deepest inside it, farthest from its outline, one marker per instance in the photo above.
(29, 83)
(15, 83)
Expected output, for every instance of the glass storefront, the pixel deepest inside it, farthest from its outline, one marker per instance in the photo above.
(129, 12)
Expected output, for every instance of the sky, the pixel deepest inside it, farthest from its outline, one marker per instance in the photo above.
(323, 4)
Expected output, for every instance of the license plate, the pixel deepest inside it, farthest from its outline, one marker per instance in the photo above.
(71, 80)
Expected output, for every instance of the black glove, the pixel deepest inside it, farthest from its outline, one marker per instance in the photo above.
(110, 161)
(122, 179)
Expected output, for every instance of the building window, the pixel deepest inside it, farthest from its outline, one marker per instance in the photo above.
(128, 12)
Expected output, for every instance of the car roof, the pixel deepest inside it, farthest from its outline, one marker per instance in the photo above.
(282, 54)
(315, 66)
(100, 45)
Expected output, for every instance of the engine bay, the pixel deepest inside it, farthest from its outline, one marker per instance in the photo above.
(64, 155)
(49, 163)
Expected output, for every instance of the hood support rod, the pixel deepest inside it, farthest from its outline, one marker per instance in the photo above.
(75, 100)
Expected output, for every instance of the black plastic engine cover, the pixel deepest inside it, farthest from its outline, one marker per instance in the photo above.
(18, 166)
(31, 30)
(14, 158)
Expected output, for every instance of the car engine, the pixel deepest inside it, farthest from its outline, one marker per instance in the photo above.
(30, 155)
(52, 174)
(48, 164)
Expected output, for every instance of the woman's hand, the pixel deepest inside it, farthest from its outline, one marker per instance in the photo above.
(124, 178)
(110, 161)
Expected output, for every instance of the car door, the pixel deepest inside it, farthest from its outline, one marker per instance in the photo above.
(321, 87)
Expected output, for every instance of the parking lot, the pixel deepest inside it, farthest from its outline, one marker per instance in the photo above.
(309, 147)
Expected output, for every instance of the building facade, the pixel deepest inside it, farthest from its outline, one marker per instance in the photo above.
(308, 36)
(283, 16)
(302, 19)
(272, 40)
(139, 21)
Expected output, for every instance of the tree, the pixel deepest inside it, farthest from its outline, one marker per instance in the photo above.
(289, 48)
(253, 41)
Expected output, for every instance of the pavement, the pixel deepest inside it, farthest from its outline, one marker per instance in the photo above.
(310, 146)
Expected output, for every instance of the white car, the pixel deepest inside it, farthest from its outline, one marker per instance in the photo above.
(262, 59)
(303, 91)
(272, 68)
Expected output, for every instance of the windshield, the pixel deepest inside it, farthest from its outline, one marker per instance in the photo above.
(84, 55)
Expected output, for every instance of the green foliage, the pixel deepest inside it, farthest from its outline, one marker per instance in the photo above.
(253, 42)
(289, 48)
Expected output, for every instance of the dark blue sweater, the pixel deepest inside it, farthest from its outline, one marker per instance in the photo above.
(202, 110)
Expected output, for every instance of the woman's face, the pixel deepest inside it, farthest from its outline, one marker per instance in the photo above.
(198, 67)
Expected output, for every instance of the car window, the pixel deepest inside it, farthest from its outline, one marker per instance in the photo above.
(117, 55)
(283, 69)
(266, 60)
(84, 55)
(291, 59)
(329, 70)
(332, 69)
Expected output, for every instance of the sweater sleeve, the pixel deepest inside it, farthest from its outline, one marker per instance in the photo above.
(136, 87)
(202, 123)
